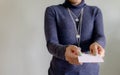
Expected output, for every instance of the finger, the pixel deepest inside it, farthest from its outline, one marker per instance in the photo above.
(75, 61)
(74, 47)
(79, 53)
(96, 50)
(76, 50)
(78, 62)
(70, 60)
(101, 51)
(93, 51)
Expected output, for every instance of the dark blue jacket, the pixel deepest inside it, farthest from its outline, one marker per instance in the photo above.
(60, 32)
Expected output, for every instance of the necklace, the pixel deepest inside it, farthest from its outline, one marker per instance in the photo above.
(77, 29)
(76, 18)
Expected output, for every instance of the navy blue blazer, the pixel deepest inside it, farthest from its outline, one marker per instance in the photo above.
(60, 32)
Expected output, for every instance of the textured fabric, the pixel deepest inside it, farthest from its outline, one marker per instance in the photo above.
(60, 32)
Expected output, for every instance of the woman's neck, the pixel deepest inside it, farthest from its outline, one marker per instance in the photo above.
(76, 3)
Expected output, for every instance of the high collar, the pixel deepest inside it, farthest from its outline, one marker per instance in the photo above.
(67, 4)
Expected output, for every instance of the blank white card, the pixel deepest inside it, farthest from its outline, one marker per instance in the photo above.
(88, 58)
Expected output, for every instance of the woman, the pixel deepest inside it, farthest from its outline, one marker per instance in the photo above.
(72, 28)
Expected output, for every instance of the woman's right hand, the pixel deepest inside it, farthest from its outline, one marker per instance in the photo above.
(71, 54)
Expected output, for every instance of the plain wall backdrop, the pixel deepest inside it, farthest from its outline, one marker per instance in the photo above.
(22, 42)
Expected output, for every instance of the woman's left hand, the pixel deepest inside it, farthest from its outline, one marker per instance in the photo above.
(96, 48)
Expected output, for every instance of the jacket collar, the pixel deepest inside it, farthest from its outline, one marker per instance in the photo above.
(67, 4)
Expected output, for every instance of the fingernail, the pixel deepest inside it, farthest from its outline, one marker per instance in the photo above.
(79, 51)
(80, 54)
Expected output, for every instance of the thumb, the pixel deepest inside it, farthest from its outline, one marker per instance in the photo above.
(78, 51)
(95, 50)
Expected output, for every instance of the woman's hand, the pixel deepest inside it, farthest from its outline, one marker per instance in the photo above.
(72, 53)
(96, 48)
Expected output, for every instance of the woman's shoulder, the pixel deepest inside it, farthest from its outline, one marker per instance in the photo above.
(95, 8)
(59, 6)
(56, 8)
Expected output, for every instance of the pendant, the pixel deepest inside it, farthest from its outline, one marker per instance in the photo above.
(76, 19)
(77, 36)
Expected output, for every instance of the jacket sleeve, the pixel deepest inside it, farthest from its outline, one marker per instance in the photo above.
(99, 36)
(50, 29)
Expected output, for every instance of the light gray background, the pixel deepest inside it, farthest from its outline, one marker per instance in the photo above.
(22, 42)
